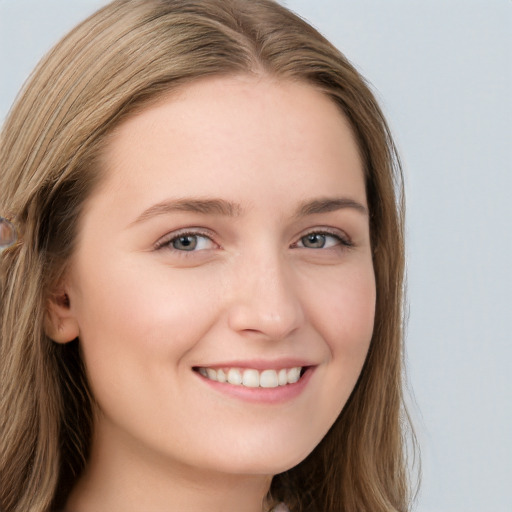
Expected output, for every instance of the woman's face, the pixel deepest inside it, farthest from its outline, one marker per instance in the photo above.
(229, 241)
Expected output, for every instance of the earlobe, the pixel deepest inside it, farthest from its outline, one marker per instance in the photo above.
(60, 323)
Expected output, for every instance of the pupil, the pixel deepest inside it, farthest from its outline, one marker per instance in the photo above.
(314, 240)
(186, 243)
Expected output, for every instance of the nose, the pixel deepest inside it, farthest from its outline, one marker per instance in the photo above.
(264, 300)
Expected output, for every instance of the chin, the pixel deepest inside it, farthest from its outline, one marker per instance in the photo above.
(266, 461)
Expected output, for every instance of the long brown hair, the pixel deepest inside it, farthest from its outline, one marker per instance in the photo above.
(112, 64)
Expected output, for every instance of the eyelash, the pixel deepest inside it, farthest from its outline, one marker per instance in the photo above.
(343, 241)
(167, 241)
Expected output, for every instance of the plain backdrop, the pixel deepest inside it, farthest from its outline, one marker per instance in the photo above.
(442, 70)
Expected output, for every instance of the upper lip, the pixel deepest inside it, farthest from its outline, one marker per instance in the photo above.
(259, 364)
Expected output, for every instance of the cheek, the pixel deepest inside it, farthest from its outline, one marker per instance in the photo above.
(129, 298)
(140, 320)
(345, 312)
(342, 312)
(135, 337)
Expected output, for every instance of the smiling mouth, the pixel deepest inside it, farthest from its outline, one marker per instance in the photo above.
(252, 378)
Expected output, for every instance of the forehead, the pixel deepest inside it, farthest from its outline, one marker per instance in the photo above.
(217, 134)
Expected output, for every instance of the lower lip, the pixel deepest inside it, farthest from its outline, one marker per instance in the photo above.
(275, 395)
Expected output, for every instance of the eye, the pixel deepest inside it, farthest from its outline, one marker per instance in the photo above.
(186, 242)
(322, 240)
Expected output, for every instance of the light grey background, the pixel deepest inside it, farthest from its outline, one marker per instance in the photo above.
(443, 72)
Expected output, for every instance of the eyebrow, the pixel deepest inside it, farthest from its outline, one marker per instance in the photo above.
(204, 206)
(229, 209)
(329, 204)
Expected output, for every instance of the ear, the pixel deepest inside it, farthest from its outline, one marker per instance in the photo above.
(60, 323)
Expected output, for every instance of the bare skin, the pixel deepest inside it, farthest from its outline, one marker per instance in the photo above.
(230, 235)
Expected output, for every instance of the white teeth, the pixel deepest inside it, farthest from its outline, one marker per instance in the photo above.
(212, 374)
(252, 378)
(234, 377)
(268, 379)
(293, 375)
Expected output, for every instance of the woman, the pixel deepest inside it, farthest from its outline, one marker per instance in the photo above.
(203, 309)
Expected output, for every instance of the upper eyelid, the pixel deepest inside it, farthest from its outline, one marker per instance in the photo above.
(207, 233)
(324, 230)
(164, 240)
